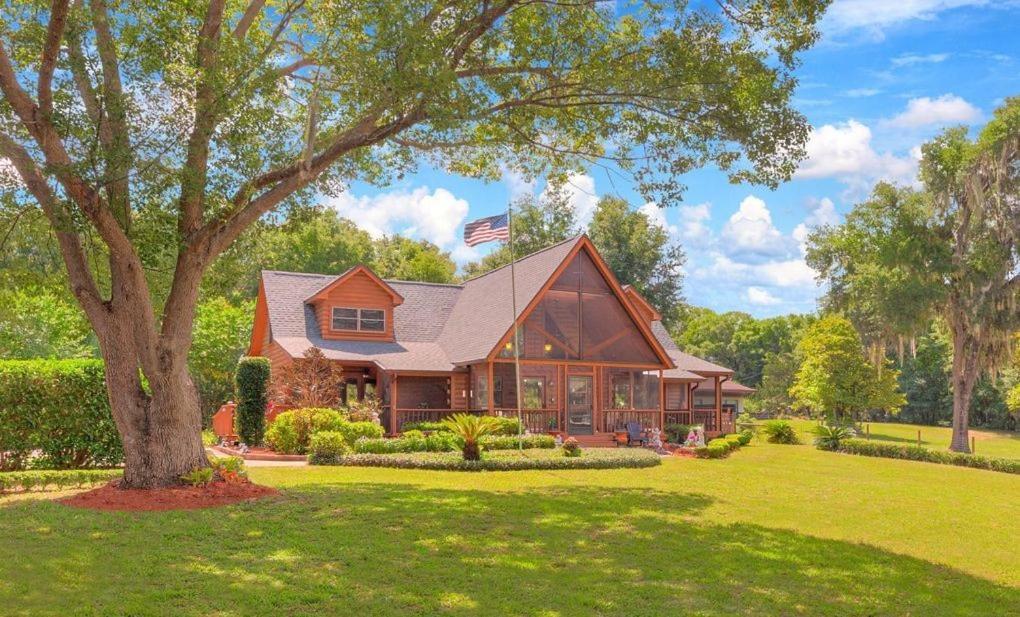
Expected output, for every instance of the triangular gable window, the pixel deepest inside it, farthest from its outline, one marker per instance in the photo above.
(580, 318)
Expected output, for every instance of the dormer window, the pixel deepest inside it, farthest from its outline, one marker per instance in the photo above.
(358, 320)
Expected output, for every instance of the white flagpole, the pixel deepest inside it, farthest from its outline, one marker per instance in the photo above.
(516, 337)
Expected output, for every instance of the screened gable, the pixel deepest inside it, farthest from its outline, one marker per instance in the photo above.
(580, 318)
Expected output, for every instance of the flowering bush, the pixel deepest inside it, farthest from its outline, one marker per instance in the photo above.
(571, 448)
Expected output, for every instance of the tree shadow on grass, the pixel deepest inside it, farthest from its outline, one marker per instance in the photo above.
(403, 549)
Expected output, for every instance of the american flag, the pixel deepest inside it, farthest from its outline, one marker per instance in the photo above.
(487, 229)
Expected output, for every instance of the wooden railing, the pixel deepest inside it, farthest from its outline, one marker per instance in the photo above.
(706, 418)
(420, 415)
(617, 419)
(535, 420)
(679, 417)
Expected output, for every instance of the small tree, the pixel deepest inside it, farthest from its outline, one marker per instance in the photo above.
(471, 429)
(251, 382)
(310, 381)
(835, 379)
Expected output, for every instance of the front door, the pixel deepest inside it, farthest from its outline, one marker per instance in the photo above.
(579, 405)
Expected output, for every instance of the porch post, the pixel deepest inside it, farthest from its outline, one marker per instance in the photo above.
(492, 388)
(718, 403)
(393, 405)
(662, 402)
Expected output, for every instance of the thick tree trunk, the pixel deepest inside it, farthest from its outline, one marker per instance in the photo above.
(965, 373)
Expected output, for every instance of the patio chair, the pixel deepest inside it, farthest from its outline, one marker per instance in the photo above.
(636, 435)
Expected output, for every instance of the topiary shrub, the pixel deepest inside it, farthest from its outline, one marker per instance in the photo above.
(56, 414)
(251, 387)
(780, 431)
(328, 448)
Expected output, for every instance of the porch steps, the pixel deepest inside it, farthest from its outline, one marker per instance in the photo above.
(598, 440)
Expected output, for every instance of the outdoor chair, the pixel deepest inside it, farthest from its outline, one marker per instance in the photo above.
(636, 435)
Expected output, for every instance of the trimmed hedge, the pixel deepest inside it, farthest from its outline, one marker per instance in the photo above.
(443, 441)
(720, 447)
(251, 387)
(865, 447)
(504, 426)
(327, 447)
(590, 459)
(57, 479)
(59, 409)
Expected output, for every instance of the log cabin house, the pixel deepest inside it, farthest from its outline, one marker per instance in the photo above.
(594, 353)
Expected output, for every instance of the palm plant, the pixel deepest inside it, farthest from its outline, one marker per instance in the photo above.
(827, 437)
(471, 429)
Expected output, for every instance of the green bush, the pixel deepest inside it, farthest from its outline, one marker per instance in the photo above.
(713, 449)
(415, 442)
(916, 453)
(55, 479)
(209, 438)
(427, 427)
(571, 448)
(780, 431)
(56, 414)
(595, 458)
(412, 434)
(506, 442)
(291, 431)
(503, 426)
(328, 447)
(251, 387)
(745, 436)
(677, 433)
(829, 437)
(722, 442)
(199, 476)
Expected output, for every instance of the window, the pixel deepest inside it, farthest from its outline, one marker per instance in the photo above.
(621, 391)
(364, 320)
(482, 392)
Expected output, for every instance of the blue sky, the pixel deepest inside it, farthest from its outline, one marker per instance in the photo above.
(885, 77)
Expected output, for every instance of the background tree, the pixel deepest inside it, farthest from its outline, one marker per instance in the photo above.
(39, 322)
(164, 143)
(773, 394)
(925, 381)
(539, 222)
(222, 333)
(835, 379)
(404, 259)
(640, 253)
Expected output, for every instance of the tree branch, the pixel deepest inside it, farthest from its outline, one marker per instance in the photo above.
(51, 50)
(248, 18)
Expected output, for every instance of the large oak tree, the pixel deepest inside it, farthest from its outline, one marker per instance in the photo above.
(148, 128)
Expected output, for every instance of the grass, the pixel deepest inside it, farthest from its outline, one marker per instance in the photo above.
(772, 530)
(1005, 444)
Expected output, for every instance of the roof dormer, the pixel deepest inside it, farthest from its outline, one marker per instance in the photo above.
(356, 305)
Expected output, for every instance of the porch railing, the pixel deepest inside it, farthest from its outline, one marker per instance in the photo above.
(617, 419)
(535, 420)
(706, 417)
(420, 415)
(679, 417)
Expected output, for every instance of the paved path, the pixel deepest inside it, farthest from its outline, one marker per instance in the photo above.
(247, 463)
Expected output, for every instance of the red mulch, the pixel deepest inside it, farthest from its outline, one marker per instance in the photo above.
(111, 497)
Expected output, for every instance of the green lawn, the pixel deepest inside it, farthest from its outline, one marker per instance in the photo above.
(773, 530)
(1005, 444)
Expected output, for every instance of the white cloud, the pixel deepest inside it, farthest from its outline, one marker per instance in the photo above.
(876, 16)
(844, 151)
(431, 215)
(516, 184)
(579, 190)
(943, 110)
(914, 59)
(657, 216)
(787, 273)
(761, 297)
(821, 212)
(862, 92)
(692, 224)
(750, 231)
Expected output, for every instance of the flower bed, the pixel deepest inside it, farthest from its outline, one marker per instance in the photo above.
(508, 460)
(865, 447)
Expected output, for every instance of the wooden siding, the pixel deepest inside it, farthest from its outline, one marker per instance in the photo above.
(459, 390)
(675, 396)
(359, 291)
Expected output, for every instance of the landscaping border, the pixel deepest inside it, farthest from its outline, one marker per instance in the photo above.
(609, 459)
(865, 447)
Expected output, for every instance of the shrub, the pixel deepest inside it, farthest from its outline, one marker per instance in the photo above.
(713, 449)
(471, 429)
(352, 431)
(209, 438)
(589, 459)
(722, 442)
(58, 479)
(677, 433)
(733, 440)
(571, 448)
(428, 427)
(367, 410)
(412, 434)
(291, 432)
(283, 434)
(829, 437)
(200, 476)
(507, 426)
(251, 387)
(506, 442)
(780, 431)
(229, 468)
(328, 447)
(415, 442)
(56, 414)
(745, 436)
(916, 453)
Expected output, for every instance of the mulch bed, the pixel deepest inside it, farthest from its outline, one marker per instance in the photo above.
(111, 497)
